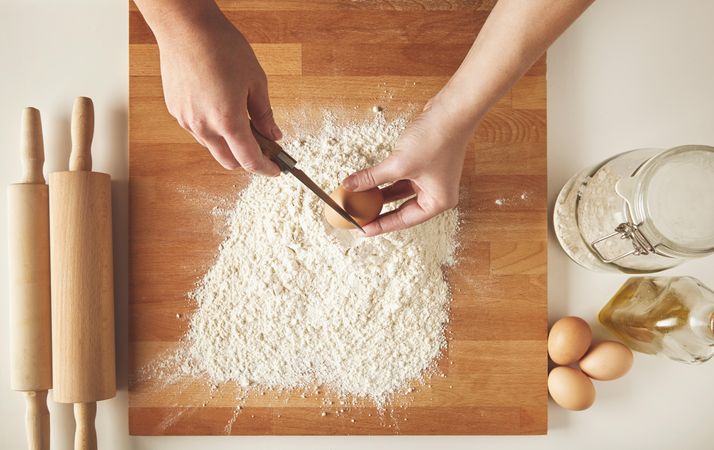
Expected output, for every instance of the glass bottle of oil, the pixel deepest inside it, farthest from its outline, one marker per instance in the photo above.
(673, 316)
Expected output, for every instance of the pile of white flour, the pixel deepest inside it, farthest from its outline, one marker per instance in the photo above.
(289, 303)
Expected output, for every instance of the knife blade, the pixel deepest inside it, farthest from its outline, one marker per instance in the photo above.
(287, 164)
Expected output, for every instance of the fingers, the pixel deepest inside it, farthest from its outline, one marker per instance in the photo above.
(220, 151)
(229, 137)
(261, 114)
(408, 214)
(247, 152)
(196, 137)
(235, 148)
(371, 177)
(398, 191)
(217, 146)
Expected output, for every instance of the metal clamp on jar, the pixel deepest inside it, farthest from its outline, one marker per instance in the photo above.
(641, 211)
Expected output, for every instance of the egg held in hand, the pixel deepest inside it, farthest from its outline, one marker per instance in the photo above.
(363, 206)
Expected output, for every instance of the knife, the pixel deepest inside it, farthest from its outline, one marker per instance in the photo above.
(287, 164)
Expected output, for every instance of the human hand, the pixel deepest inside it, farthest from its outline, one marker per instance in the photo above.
(426, 165)
(212, 85)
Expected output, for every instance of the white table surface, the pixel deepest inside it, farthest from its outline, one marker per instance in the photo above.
(628, 74)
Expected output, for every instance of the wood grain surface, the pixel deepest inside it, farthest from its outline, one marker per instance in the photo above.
(347, 56)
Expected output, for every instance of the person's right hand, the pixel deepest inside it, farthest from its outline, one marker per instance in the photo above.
(213, 84)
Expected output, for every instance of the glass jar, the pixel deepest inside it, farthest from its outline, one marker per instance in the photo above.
(671, 316)
(641, 211)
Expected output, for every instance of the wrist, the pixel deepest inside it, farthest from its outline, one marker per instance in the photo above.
(461, 113)
(184, 20)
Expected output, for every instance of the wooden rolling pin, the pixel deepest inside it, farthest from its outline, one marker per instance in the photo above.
(82, 281)
(29, 280)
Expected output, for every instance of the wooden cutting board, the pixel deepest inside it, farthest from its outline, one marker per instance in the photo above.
(348, 56)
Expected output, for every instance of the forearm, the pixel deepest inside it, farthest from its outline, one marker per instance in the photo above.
(177, 18)
(514, 36)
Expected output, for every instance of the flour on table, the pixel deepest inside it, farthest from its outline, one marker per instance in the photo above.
(291, 303)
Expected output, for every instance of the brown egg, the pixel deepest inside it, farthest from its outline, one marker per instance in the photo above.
(607, 360)
(363, 206)
(571, 388)
(568, 340)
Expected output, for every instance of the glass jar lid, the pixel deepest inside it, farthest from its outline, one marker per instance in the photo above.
(670, 201)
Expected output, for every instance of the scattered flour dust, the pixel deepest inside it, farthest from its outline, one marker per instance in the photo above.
(290, 303)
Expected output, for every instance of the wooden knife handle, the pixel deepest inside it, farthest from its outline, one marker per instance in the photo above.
(32, 152)
(271, 149)
(37, 420)
(85, 435)
(82, 131)
(274, 151)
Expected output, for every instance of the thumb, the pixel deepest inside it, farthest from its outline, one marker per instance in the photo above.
(371, 177)
(261, 113)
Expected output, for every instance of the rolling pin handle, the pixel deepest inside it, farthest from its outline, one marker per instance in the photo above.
(32, 151)
(37, 420)
(82, 131)
(85, 435)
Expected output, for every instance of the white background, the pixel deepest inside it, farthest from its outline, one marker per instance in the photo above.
(628, 74)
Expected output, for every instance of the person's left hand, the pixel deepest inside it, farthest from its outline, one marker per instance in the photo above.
(426, 164)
